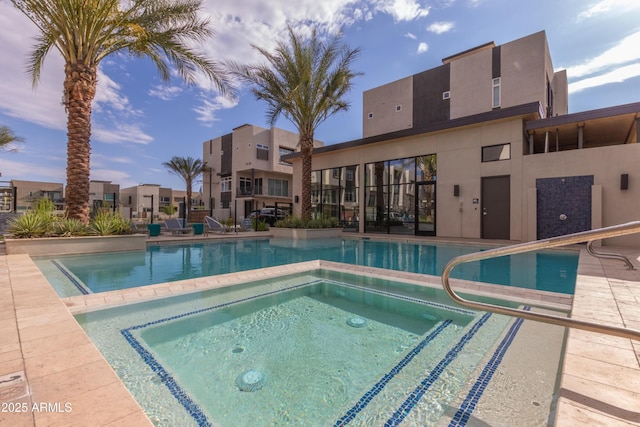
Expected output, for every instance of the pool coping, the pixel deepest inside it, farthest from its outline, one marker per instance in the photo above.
(57, 365)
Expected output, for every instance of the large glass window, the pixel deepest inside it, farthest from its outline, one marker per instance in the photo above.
(391, 193)
(245, 186)
(278, 187)
(225, 184)
(334, 194)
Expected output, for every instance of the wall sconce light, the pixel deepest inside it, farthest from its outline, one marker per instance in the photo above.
(296, 199)
(624, 181)
(456, 190)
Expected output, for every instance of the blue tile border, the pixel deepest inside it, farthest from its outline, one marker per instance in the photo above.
(380, 385)
(194, 409)
(71, 277)
(463, 414)
(415, 396)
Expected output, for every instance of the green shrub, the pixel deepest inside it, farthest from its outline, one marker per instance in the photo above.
(294, 222)
(67, 227)
(107, 223)
(260, 225)
(31, 224)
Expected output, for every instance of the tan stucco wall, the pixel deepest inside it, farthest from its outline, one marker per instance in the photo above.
(525, 63)
(471, 84)
(382, 102)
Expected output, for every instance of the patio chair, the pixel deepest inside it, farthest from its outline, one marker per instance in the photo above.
(212, 224)
(174, 226)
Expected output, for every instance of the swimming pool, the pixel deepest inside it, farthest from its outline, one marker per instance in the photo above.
(319, 348)
(74, 275)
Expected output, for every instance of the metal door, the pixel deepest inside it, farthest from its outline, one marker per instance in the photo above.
(496, 207)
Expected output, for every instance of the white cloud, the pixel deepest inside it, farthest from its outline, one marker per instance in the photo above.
(625, 52)
(26, 171)
(43, 104)
(165, 93)
(121, 133)
(422, 47)
(206, 111)
(604, 6)
(99, 159)
(113, 175)
(440, 27)
(402, 10)
(411, 36)
(616, 76)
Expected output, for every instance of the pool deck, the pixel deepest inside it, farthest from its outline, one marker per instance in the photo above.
(52, 374)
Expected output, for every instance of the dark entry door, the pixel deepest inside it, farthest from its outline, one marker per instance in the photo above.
(496, 210)
(425, 212)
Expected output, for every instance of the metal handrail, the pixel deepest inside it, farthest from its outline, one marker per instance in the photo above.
(607, 255)
(603, 233)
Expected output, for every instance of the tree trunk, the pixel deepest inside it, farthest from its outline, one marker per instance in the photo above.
(187, 205)
(79, 90)
(306, 151)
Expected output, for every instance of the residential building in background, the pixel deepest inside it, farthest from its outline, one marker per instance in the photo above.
(103, 195)
(482, 147)
(27, 193)
(246, 171)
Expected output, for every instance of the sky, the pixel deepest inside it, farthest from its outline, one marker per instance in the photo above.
(140, 121)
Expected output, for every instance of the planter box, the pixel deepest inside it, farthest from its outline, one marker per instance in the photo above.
(75, 245)
(305, 233)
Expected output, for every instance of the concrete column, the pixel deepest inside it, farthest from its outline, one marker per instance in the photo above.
(580, 137)
(532, 215)
(546, 142)
(596, 210)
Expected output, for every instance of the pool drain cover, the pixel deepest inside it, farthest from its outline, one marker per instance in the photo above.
(357, 322)
(250, 380)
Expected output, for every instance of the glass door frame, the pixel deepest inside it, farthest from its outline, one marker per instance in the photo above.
(419, 232)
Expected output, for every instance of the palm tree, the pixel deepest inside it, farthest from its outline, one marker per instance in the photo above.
(7, 136)
(306, 81)
(189, 169)
(85, 32)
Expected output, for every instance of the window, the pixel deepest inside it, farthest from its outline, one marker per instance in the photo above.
(496, 93)
(258, 185)
(284, 152)
(245, 186)
(494, 153)
(349, 175)
(278, 187)
(446, 95)
(225, 184)
(370, 115)
(398, 108)
(262, 152)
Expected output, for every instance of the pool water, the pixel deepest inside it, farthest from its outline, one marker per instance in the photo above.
(301, 350)
(73, 275)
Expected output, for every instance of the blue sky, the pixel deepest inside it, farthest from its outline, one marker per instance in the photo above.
(139, 121)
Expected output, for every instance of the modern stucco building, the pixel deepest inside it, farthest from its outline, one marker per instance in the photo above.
(482, 147)
(246, 170)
